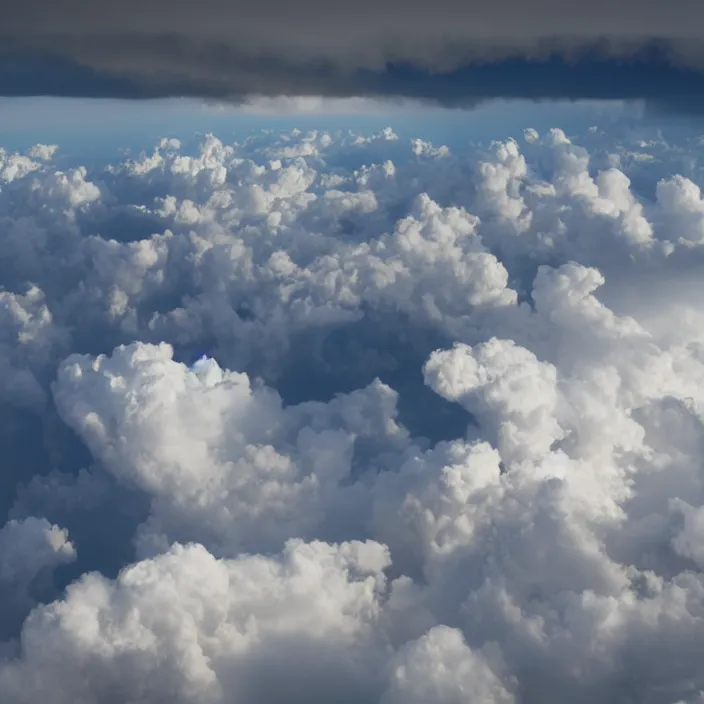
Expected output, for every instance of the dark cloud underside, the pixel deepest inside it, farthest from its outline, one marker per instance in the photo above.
(454, 53)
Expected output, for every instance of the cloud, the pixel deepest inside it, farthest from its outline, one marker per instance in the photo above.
(311, 105)
(504, 386)
(455, 53)
(31, 550)
(419, 674)
(30, 545)
(191, 627)
(318, 416)
(225, 463)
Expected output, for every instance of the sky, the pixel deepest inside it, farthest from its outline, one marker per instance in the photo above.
(351, 353)
(100, 130)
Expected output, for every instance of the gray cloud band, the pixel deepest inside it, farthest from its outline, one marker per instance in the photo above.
(450, 53)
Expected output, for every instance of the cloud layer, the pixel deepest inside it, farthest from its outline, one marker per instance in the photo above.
(324, 417)
(453, 52)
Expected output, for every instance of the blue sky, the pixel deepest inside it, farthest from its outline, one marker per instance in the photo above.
(91, 129)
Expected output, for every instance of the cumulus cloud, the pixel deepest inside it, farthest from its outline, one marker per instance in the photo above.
(224, 461)
(419, 672)
(30, 545)
(30, 550)
(325, 417)
(188, 627)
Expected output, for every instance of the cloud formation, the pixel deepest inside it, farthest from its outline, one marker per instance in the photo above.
(453, 52)
(326, 417)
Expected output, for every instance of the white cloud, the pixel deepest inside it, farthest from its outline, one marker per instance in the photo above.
(192, 628)
(511, 513)
(505, 387)
(30, 545)
(312, 105)
(420, 673)
(225, 463)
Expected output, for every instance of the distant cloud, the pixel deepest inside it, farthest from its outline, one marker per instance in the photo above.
(316, 105)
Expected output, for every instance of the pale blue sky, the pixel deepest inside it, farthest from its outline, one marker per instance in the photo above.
(89, 129)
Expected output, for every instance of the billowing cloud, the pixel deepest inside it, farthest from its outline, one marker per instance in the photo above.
(453, 52)
(324, 417)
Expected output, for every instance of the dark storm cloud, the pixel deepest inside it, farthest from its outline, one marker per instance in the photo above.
(451, 52)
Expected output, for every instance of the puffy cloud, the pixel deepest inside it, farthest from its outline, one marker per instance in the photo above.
(420, 672)
(45, 152)
(505, 387)
(30, 343)
(29, 545)
(225, 463)
(30, 550)
(189, 627)
(330, 417)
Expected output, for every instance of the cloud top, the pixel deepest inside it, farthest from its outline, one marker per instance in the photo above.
(327, 417)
